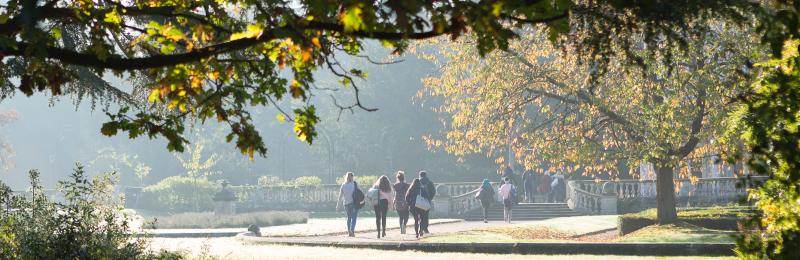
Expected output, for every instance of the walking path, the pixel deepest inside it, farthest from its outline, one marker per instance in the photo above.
(313, 228)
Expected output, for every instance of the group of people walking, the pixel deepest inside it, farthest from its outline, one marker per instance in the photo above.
(414, 199)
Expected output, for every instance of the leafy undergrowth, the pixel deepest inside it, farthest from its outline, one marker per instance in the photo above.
(242, 220)
(678, 233)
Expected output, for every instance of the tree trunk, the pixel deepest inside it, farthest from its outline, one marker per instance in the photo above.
(665, 195)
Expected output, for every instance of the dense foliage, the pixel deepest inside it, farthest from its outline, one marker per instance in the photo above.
(179, 194)
(771, 119)
(88, 224)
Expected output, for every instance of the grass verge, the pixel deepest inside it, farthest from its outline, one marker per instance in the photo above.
(242, 220)
(680, 232)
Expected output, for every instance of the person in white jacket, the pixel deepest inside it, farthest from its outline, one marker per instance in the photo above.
(507, 192)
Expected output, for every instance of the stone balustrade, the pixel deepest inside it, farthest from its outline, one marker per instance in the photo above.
(586, 195)
(462, 196)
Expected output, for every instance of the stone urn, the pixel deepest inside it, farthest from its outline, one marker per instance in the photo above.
(224, 201)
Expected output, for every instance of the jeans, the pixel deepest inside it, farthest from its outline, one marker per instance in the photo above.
(486, 204)
(403, 217)
(380, 215)
(417, 214)
(352, 215)
(425, 220)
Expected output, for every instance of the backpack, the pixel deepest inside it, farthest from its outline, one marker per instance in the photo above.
(358, 196)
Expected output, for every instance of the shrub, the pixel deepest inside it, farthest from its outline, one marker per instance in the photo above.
(180, 194)
(88, 224)
(365, 180)
(269, 180)
(305, 181)
(242, 220)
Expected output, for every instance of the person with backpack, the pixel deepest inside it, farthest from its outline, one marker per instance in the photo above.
(508, 193)
(400, 204)
(353, 199)
(383, 200)
(417, 202)
(485, 194)
(430, 192)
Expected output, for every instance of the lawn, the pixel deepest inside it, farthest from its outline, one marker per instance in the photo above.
(677, 233)
(568, 229)
(241, 220)
(230, 248)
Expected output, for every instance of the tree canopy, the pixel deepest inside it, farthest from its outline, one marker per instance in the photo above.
(557, 116)
(215, 59)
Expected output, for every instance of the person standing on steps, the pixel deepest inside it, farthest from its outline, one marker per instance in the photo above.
(508, 173)
(384, 201)
(430, 192)
(544, 187)
(485, 194)
(400, 204)
(353, 199)
(528, 185)
(414, 191)
(508, 194)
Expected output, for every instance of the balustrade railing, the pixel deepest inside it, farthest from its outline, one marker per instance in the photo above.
(583, 198)
(584, 195)
(462, 196)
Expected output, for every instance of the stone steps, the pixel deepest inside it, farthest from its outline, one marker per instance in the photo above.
(525, 211)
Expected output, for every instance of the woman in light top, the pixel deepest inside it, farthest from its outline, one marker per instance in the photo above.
(385, 201)
(346, 199)
(507, 193)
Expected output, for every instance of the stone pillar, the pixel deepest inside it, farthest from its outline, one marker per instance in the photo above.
(224, 208)
(608, 205)
(224, 201)
(608, 201)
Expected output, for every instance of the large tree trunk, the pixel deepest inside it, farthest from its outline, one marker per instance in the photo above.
(665, 195)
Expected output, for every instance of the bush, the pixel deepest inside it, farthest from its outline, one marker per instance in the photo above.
(270, 180)
(242, 220)
(723, 218)
(88, 224)
(180, 194)
(305, 181)
(365, 180)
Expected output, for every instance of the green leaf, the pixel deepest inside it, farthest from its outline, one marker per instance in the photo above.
(113, 17)
(351, 19)
(253, 30)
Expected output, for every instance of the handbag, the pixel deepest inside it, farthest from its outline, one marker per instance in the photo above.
(421, 202)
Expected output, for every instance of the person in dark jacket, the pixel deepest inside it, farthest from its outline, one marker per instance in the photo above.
(544, 187)
(507, 173)
(411, 198)
(528, 185)
(430, 191)
(400, 204)
(485, 194)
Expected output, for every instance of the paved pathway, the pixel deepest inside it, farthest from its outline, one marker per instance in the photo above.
(314, 227)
